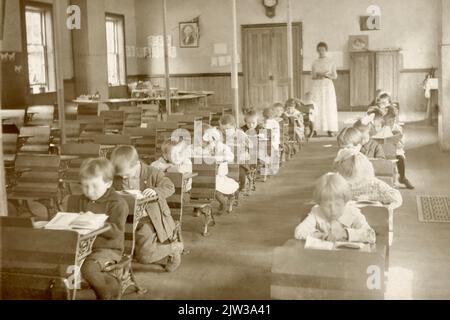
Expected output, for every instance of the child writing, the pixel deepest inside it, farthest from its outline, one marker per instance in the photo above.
(155, 234)
(335, 218)
(370, 148)
(359, 173)
(99, 196)
(213, 147)
(349, 138)
(397, 132)
(174, 160)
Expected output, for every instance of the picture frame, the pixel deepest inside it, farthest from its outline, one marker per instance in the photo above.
(189, 35)
(2, 17)
(358, 43)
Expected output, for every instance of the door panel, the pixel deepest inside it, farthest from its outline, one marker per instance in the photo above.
(265, 65)
(362, 79)
(259, 66)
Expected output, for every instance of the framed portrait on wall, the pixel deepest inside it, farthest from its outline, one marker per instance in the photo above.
(189, 35)
(358, 43)
(2, 17)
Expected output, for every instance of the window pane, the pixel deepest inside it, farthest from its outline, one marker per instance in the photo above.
(34, 27)
(36, 65)
(113, 69)
(110, 37)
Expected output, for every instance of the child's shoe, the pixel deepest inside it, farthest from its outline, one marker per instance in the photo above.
(175, 260)
(406, 183)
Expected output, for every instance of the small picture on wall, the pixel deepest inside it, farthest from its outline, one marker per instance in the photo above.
(358, 43)
(189, 35)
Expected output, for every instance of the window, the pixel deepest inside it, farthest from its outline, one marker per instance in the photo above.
(41, 60)
(115, 42)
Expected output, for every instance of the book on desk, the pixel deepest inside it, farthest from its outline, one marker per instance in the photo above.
(83, 223)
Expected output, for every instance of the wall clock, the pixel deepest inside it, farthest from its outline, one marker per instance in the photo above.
(270, 6)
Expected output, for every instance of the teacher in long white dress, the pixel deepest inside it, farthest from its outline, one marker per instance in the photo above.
(323, 92)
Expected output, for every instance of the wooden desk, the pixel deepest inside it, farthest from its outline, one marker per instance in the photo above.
(299, 273)
(38, 263)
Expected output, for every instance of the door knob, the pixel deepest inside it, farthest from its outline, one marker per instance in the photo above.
(271, 78)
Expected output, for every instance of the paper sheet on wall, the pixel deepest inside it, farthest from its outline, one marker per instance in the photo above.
(214, 62)
(222, 61)
(173, 52)
(220, 48)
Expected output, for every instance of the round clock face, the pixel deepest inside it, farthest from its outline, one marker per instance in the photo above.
(270, 3)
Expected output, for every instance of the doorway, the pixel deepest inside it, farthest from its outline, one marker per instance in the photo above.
(265, 63)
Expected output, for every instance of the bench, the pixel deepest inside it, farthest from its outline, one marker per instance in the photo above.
(203, 192)
(34, 140)
(37, 178)
(132, 117)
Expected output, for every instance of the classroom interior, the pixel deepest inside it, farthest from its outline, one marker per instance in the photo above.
(106, 73)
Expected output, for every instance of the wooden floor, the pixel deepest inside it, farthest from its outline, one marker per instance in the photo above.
(235, 261)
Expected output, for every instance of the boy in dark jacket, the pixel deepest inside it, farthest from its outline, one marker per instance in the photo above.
(99, 197)
(155, 234)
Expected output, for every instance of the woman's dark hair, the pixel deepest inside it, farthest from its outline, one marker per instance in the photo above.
(322, 45)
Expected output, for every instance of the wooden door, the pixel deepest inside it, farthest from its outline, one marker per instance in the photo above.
(259, 66)
(362, 79)
(265, 64)
(388, 72)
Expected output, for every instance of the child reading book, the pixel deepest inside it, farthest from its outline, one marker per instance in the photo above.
(335, 218)
(99, 197)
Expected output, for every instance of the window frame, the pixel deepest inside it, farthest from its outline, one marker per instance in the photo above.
(48, 43)
(121, 58)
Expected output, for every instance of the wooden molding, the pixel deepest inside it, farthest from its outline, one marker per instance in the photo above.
(184, 75)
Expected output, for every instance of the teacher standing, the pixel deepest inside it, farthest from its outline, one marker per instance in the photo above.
(323, 92)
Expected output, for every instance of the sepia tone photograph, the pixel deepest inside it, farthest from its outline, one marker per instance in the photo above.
(225, 150)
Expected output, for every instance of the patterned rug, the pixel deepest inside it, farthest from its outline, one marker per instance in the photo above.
(434, 209)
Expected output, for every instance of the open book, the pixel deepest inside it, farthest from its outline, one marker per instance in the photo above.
(318, 244)
(81, 223)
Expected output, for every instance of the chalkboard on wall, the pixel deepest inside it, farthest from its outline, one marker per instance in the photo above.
(2, 17)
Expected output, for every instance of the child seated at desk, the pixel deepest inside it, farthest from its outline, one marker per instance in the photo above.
(292, 115)
(357, 169)
(253, 131)
(174, 160)
(384, 101)
(397, 132)
(335, 218)
(370, 148)
(270, 123)
(279, 111)
(306, 107)
(226, 187)
(155, 234)
(99, 196)
(241, 145)
(349, 138)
